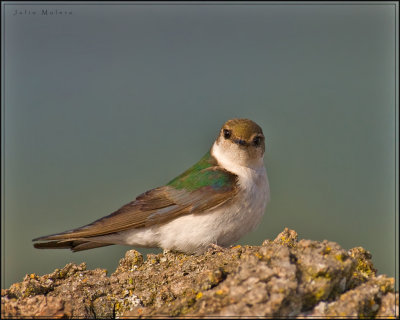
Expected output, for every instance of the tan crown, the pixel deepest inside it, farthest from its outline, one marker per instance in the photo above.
(243, 129)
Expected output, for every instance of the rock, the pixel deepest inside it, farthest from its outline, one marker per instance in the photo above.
(282, 278)
(389, 306)
(37, 306)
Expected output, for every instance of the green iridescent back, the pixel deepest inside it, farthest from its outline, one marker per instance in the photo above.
(201, 175)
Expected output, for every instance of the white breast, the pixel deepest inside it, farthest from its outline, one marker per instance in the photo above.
(226, 224)
(246, 213)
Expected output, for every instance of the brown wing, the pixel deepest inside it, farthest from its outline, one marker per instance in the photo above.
(155, 206)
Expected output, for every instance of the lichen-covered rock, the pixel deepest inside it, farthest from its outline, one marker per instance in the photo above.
(389, 306)
(284, 277)
(38, 306)
(362, 301)
(74, 288)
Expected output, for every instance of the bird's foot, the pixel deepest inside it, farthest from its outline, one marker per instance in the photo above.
(215, 247)
(171, 251)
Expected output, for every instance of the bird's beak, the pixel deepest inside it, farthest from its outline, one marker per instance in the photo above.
(240, 142)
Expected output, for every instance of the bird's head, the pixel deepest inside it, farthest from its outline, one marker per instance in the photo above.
(240, 142)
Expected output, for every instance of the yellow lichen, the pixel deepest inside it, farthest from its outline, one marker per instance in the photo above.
(220, 292)
(258, 255)
(363, 267)
(339, 257)
(319, 294)
(199, 295)
(327, 250)
(371, 302)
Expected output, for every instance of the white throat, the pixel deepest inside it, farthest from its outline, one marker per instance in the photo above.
(227, 161)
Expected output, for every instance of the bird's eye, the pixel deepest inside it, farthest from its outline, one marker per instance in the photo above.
(257, 140)
(227, 133)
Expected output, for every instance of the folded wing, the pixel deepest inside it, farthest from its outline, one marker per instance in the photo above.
(194, 192)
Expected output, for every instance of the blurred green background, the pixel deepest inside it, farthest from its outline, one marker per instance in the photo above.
(111, 100)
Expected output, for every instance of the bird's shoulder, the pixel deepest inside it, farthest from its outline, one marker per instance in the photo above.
(206, 173)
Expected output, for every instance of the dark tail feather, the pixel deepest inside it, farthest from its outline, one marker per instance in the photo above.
(74, 245)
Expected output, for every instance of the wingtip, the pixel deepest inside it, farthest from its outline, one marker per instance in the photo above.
(73, 245)
(55, 236)
(51, 245)
(43, 238)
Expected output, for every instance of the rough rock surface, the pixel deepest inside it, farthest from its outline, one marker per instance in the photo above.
(284, 277)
